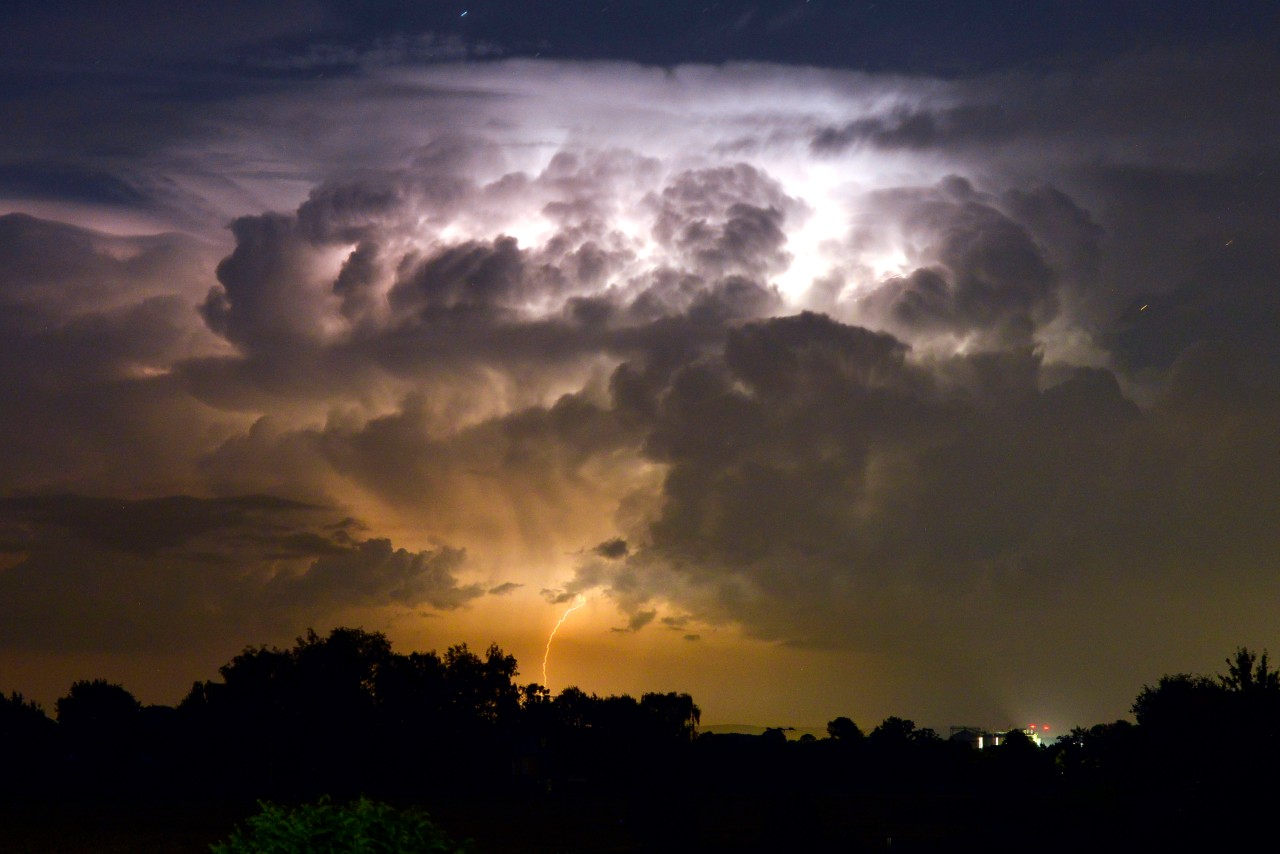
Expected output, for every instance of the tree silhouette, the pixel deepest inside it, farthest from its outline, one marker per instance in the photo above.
(482, 690)
(1179, 704)
(775, 736)
(844, 730)
(894, 732)
(1207, 743)
(19, 718)
(1019, 763)
(97, 707)
(671, 718)
(26, 741)
(98, 724)
(1247, 672)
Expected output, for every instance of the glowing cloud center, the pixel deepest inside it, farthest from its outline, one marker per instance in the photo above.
(581, 600)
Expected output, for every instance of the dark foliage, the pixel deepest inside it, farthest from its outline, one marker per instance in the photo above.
(1208, 748)
(27, 741)
(360, 827)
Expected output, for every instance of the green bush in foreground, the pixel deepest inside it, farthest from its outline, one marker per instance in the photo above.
(360, 827)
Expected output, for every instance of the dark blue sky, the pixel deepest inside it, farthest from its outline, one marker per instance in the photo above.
(910, 36)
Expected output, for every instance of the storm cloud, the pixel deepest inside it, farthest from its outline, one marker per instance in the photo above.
(833, 360)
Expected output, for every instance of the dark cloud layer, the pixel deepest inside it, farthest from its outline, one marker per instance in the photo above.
(910, 36)
(819, 483)
(102, 574)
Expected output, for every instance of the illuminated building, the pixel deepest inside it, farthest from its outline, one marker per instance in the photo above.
(982, 737)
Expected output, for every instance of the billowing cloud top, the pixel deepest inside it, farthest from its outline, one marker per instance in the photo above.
(936, 371)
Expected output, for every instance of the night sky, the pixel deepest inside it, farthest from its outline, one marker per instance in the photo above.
(856, 359)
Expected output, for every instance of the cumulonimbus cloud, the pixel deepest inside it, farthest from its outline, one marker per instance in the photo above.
(823, 355)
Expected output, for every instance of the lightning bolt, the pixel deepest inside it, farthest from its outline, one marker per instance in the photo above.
(582, 600)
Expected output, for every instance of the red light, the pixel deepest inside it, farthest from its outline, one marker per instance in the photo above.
(1046, 727)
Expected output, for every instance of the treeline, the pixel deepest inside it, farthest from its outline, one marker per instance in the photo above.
(345, 715)
(1198, 770)
(340, 714)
